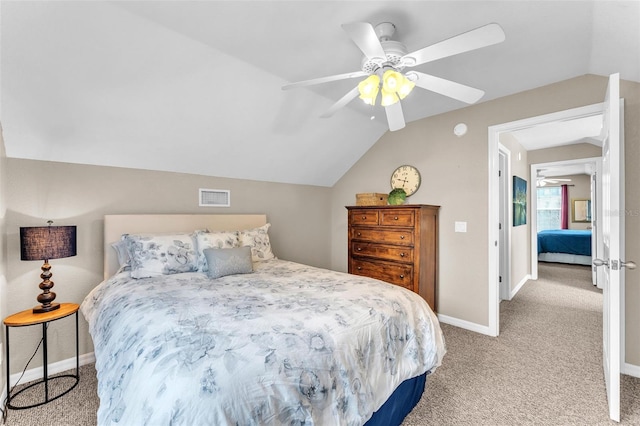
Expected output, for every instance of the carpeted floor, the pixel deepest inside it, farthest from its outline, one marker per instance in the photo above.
(544, 369)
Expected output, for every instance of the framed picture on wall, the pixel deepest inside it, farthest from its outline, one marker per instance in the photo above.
(519, 201)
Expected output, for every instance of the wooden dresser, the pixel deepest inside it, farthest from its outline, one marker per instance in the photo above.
(396, 244)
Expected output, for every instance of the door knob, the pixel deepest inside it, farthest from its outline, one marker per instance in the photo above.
(600, 262)
(628, 265)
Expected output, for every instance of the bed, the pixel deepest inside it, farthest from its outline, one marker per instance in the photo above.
(565, 246)
(284, 343)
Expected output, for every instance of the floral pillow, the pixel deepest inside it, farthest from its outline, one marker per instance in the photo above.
(152, 255)
(229, 261)
(258, 240)
(217, 240)
(122, 252)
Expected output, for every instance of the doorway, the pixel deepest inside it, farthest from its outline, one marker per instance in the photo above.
(587, 166)
(494, 248)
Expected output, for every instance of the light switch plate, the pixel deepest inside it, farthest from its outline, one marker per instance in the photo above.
(461, 227)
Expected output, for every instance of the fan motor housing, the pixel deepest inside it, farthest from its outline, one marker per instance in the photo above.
(394, 51)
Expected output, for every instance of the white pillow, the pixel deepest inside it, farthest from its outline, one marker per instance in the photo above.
(258, 240)
(122, 252)
(218, 240)
(153, 255)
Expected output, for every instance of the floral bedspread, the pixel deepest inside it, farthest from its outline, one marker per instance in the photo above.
(286, 344)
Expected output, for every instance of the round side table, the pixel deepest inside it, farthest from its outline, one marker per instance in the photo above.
(28, 318)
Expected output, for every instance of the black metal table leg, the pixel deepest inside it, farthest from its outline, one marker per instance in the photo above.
(45, 377)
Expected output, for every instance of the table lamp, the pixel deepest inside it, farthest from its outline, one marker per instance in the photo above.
(45, 243)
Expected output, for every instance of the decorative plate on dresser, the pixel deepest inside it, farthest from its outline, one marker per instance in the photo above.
(396, 244)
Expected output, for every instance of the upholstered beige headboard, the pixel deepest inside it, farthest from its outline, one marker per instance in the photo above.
(116, 225)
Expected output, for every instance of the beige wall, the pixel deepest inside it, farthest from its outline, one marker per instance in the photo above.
(631, 93)
(562, 153)
(579, 188)
(80, 195)
(3, 249)
(455, 176)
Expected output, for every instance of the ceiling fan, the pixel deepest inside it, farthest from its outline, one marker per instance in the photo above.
(544, 181)
(385, 60)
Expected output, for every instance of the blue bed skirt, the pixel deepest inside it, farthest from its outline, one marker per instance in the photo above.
(400, 403)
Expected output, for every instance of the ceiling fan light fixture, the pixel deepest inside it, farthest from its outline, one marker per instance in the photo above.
(392, 80)
(369, 88)
(388, 98)
(406, 87)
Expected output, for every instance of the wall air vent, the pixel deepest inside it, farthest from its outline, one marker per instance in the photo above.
(215, 198)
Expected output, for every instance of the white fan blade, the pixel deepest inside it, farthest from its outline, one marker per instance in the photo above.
(448, 88)
(475, 39)
(395, 117)
(342, 102)
(364, 36)
(320, 80)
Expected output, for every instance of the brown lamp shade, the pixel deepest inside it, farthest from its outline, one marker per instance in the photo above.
(47, 242)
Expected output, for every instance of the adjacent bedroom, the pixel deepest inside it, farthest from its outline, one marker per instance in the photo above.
(564, 213)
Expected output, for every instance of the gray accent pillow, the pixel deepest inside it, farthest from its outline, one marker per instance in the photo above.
(228, 261)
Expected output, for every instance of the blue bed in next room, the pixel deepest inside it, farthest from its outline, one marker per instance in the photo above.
(565, 246)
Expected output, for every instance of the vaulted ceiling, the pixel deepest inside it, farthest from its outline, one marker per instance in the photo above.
(195, 86)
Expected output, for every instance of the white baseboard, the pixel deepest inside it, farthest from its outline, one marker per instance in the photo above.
(631, 370)
(56, 367)
(467, 325)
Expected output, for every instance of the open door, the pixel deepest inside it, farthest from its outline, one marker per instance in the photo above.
(612, 223)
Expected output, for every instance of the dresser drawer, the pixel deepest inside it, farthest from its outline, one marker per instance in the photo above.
(381, 251)
(363, 217)
(393, 273)
(397, 217)
(384, 236)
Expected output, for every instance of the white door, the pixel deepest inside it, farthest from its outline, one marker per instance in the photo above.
(505, 225)
(613, 238)
(594, 226)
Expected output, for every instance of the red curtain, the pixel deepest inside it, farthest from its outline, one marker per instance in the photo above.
(564, 208)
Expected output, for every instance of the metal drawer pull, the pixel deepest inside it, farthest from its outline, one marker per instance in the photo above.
(401, 254)
(359, 248)
(364, 217)
(395, 218)
(402, 237)
(359, 268)
(401, 276)
(359, 234)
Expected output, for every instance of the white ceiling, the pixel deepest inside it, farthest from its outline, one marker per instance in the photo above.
(194, 86)
(558, 133)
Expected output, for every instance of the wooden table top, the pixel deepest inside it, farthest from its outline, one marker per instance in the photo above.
(27, 317)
